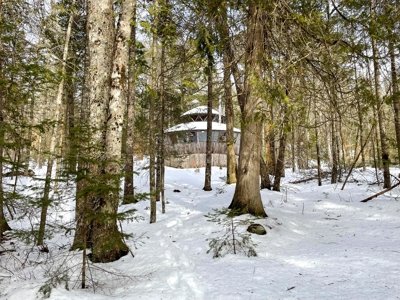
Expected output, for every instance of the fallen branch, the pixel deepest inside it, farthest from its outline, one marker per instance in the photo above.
(6, 251)
(323, 174)
(380, 193)
(304, 180)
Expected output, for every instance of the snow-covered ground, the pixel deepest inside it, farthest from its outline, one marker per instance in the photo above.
(321, 243)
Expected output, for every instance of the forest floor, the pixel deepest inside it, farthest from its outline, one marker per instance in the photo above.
(321, 243)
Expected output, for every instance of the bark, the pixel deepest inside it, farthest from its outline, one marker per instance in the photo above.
(247, 197)
(96, 93)
(98, 226)
(265, 181)
(129, 187)
(207, 181)
(162, 135)
(293, 149)
(317, 147)
(3, 222)
(152, 145)
(70, 142)
(395, 95)
(270, 144)
(334, 175)
(280, 163)
(107, 242)
(29, 137)
(45, 202)
(382, 133)
(158, 168)
(230, 140)
(361, 132)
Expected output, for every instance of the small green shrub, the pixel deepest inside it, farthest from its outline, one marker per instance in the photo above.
(232, 241)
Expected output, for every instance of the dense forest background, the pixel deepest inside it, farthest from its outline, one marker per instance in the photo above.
(87, 87)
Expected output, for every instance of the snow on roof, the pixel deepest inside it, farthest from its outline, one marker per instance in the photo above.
(198, 126)
(199, 110)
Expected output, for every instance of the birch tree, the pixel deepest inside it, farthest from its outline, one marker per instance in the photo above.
(107, 242)
(106, 88)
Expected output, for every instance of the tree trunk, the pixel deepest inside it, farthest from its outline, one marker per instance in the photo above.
(3, 222)
(69, 126)
(129, 187)
(107, 242)
(293, 149)
(317, 147)
(158, 166)
(207, 181)
(265, 181)
(27, 157)
(280, 163)
(162, 134)
(152, 144)
(247, 197)
(395, 95)
(96, 226)
(270, 143)
(45, 202)
(361, 129)
(334, 175)
(82, 206)
(230, 140)
(382, 133)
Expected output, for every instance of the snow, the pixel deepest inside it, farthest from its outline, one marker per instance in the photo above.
(199, 110)
(321, 243)
(198, 126)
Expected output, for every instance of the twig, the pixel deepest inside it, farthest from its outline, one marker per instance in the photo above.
(130, 251)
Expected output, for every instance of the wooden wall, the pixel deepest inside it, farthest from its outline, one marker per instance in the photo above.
(197, 160)
(193, 155)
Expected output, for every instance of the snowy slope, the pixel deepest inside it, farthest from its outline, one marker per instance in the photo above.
(321, 243)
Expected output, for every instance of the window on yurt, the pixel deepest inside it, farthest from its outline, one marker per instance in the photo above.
(202, 136)
(215, 136)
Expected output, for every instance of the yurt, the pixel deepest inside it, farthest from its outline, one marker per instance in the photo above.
(186, 142)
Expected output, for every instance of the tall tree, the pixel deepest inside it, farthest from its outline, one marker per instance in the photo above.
(207, 181)
(229, 111)
(247, 197)
(107, 100)
(205, 47)
(152, 129)
(377, 84)
(129, 186)
(107, 242)
(3, 221)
